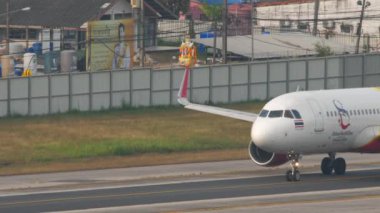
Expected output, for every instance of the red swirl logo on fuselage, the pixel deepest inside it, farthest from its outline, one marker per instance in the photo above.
(344, 116)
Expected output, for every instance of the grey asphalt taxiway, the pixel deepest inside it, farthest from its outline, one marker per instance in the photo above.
(233, 186)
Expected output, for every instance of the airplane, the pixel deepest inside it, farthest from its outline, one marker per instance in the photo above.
(305, 123)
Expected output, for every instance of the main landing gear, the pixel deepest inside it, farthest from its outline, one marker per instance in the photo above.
(329, 164)
(293, 174)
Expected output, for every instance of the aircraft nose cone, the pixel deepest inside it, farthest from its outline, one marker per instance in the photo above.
(261, 136)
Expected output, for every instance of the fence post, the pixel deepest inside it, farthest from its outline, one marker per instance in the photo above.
(130, 88)
(210, 84)
(29, 95)
(307, 74)
(287, 77)
(249, 82)
(229, 84)
(70, 91)
(326, 73)
(9, 96)
(151, 87)
(344, 72)
(191, 85)
(364, 69)
(111, 90)
(268, 80)
(49, 94)
(90, 89)
(171, 86)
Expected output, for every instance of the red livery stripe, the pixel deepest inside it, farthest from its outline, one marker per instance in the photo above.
(185, 83)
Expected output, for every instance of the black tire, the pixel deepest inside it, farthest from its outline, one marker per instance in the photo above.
(289, 175)
(296, 176)
(340, 166)
(327, 166)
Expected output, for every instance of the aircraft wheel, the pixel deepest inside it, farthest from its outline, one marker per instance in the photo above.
(289, 175)
(296, 176)
(340, 166)
(326, 166)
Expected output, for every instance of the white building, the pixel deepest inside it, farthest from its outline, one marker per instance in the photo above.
(300, 14)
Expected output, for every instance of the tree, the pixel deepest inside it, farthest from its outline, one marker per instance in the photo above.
(214, 13)
(177, 5)
(322, 49)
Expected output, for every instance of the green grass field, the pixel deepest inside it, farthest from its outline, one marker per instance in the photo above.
(87, 138)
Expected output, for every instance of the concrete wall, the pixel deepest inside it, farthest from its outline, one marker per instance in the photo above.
(92, 91)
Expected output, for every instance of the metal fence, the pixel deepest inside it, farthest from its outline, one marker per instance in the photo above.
(175, 30)
(91, 91)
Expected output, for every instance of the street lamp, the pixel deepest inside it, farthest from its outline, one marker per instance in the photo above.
(364, 5)
(7, 20)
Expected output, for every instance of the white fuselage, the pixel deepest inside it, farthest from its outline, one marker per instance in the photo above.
(344, 120)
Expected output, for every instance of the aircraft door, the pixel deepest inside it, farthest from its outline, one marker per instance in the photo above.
(318, 115)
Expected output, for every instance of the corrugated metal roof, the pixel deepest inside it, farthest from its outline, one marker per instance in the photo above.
(55, 13)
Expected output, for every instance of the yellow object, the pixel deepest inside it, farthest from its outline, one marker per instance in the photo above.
(27, 73)
(187, 54)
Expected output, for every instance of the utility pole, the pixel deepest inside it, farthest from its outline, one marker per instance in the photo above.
(225, 28)
(214, 24)
(364, 5)
(253, 14)
(316, 12)
(7, 30)
(142, 34)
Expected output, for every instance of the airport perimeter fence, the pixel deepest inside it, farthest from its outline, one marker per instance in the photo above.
(92, 91)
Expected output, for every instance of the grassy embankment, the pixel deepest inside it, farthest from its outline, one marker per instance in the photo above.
(120, 138)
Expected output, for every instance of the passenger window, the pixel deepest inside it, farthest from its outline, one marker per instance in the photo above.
(336, 114)
(366, 112)
(378, 111)
(354, 112)
(288, 114)
(296, 114)
(275, 114)
(264, 113)
(327, 113)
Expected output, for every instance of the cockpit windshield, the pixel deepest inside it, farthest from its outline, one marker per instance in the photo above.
(292, 114)
(264, 113)
(276, 114)
(288, 114)
(296, 114)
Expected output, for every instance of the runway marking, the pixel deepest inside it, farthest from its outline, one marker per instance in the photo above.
(283, 203)
(261, 186)
(248, 174)
(218, 202)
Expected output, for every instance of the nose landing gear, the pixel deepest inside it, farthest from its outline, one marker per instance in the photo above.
(293, 174)
(329, 164)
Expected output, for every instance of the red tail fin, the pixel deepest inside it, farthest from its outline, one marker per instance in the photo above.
(184, 85)
(182, 93)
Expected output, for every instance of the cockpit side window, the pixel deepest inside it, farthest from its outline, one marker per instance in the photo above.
(296, 114)
(264, 113)
(288, 114)
(276, 114)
